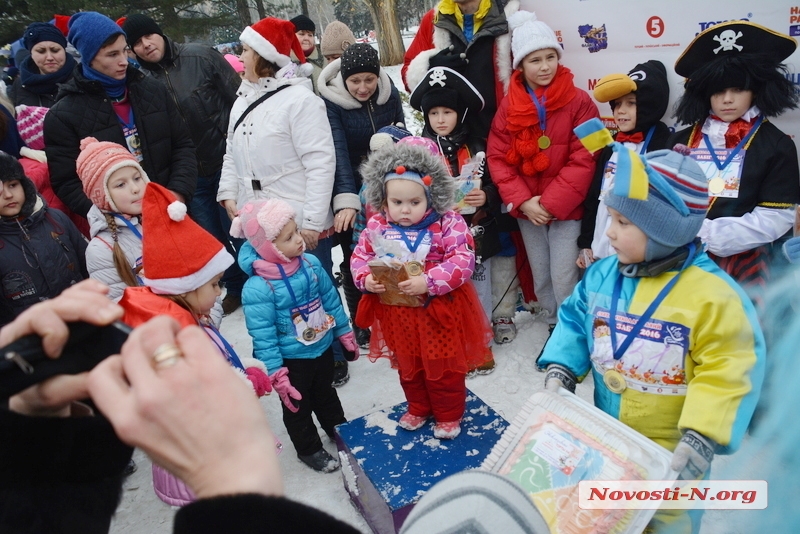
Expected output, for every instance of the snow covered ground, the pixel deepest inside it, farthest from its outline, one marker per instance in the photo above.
(372, 386)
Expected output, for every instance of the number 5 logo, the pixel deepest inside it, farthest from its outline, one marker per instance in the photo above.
(655, 27)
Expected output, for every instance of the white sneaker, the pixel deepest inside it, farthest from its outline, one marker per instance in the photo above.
(505, 331)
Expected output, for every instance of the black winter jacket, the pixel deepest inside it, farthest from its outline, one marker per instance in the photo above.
(203, 85)
(84, 109)
(41, 255)
(19, 95)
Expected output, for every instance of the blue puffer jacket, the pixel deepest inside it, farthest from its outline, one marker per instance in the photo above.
(268, 304)
(353, 123)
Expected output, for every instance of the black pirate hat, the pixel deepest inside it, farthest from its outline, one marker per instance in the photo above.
(442, 86)
(731, 39)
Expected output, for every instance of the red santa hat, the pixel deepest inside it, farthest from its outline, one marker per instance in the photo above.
(274, 40)
(177, 254)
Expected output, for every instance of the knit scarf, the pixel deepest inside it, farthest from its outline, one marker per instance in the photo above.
(269, 270)
(40, 84)
(113, 87)
(522, 119)
(449, 145)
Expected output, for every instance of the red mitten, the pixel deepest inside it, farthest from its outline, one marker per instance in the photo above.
(261, 383)
(287, 392)
(350, 346)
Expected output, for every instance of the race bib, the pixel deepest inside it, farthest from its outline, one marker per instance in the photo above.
(721, 183)
(310, 330)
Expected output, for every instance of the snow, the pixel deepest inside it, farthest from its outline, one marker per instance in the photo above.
(372, 387)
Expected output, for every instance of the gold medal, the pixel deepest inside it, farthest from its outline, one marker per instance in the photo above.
(716, 185)
(309, 334)
(413, 268)
(544, 142)
(614, 381)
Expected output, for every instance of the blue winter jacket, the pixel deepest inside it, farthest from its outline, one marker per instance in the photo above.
(353, 124)
(267, 310)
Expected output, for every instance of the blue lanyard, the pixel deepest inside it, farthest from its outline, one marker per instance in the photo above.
(647, 139)
(129, 225)
(131, 124)
(540, 109)
(412, 247)
(736, 150)
(226, 349)
(291, 291)
(648, 313)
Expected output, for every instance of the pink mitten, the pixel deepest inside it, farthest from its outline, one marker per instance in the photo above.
(260, 381)
(350, 346)
(287, 392)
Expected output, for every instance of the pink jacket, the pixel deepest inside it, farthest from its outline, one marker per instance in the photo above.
(448, 265)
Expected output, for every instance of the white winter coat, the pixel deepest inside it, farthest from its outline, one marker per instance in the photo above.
(100, 253)
(286, 144)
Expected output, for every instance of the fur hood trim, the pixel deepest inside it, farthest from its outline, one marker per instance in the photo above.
(414, 158)
(332, 87)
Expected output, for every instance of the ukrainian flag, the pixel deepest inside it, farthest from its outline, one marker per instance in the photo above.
(631, 178)
(593, 135)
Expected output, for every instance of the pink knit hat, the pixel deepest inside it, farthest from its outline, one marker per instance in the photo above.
(30, 123)
(235, 62)
(96, 163)
(260, 222)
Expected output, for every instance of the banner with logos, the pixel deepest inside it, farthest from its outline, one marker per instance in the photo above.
(602, 37)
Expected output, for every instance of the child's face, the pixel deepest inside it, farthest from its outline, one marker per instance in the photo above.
(731, 103)
(625, 113)
(289, 242)
(539, 67)
(442, 120)
(406, 203)
(202, 299)
(126, 189)
(626, 238)
(13, 197)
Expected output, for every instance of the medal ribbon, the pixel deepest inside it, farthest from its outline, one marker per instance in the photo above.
(291, 291)
(131, 124)
(130, 225)
(648, 313)
(412, 247)
(736, 149)
(540, 108)
(647, 139)
(226, 349)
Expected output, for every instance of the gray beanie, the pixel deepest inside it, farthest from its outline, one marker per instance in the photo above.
(675, 207)
(336, 38)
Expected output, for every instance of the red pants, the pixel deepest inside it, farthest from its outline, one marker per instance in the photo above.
(444, 398)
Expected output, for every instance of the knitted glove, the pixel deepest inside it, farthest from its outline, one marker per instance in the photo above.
(287, 393)
(447, 58)
(261, 383)
(791, 249)
(559, 377)
(349, 346)
(693, 455)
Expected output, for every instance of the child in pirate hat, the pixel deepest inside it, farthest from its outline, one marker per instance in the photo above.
(638, 101)
(689, 372)
(735, 84)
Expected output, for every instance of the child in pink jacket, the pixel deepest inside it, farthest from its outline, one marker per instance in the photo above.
(440, 331)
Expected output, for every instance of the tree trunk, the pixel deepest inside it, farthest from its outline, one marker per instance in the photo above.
(304, 7)
(243, 9)
(262, 13)
(387, 31)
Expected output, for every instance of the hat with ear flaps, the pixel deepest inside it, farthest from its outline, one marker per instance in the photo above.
(178, 255)
(736, 54)
(261, 222)
(413, 162)
(665, 194)
(10, 170)
(648, 81)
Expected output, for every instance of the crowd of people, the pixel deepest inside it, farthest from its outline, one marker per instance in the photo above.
(168, 172)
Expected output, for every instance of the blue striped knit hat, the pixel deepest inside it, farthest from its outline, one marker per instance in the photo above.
(676, 203)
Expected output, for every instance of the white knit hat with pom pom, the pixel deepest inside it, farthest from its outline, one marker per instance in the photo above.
(178, 256)
(529, 34)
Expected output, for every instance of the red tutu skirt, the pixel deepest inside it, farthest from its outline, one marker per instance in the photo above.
(450, 334)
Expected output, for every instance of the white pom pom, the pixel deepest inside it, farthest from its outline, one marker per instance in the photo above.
(305, 70)
(177, 211)
(519, 18)
(379, 140)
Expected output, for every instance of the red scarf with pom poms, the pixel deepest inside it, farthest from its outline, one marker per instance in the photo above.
(522, 120)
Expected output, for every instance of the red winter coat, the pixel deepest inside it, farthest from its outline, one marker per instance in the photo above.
(564, 185)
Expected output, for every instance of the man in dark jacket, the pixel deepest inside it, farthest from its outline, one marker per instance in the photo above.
(203, 85)
(111, 101)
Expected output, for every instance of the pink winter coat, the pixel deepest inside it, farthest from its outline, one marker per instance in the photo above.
(448, 265)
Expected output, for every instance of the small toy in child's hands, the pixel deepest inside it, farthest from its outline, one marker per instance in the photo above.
(469, 180)
(390, 273)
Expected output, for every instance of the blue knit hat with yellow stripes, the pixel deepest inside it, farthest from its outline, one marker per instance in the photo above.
(665, 194)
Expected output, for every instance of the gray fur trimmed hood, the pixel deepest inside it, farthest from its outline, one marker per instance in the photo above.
(331, 87)
(414, 158)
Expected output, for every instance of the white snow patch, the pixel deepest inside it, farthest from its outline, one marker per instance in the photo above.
(408, 446)
(473, 452)
(356, 450)
(381, 420)
(482, 410)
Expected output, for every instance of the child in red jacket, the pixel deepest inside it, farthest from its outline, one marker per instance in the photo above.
(540, 167)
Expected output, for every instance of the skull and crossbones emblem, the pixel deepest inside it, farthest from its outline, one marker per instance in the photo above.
(437, 76)
(727, 41)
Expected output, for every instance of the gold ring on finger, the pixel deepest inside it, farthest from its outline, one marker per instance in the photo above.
(166, 355)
